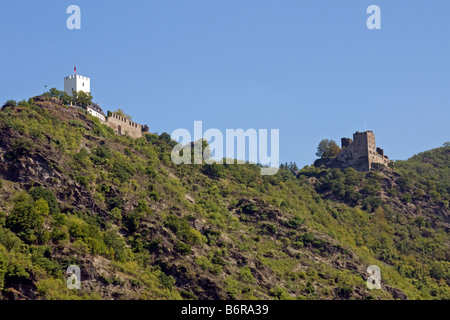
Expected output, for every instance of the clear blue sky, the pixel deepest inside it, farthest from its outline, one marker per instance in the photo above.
(309, 68)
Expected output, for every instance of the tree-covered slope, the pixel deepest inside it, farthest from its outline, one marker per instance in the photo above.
(139, 227)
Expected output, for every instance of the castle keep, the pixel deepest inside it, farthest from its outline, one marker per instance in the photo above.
(361, 152)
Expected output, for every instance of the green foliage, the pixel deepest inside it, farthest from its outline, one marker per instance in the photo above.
(167, 281)
(60, 95)
(20, 147)
(27, 219)
(215, 170)
(122, 170)
(41, 193)
(122, 113)
(327, 149)
(246, 275)
(183, 230)
(183, 248)
(10, 103)
(295, 222)
(81, 98)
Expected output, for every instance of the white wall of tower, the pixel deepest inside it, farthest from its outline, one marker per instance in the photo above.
(77, 83)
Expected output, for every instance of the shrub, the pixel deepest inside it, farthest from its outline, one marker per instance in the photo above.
(133, 221)
(154, 195)
(152, 138)
(344, 292)
(122, 170)
(116, 214)
(116, 242)
(212, 236)
(269, 228)
(41, 193)
(167, 281)
(25, 220)
(9, 240)
(20, 147)
(246, 275)
(295, 222)
(279, 293)
(101, 154)
(215, 170)
(11, 103)
(58, 234)
(183, 248)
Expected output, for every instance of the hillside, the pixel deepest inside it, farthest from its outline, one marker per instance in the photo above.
(139, 227)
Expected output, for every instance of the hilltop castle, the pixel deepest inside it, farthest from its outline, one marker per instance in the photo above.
(360, 153)
(119, 124)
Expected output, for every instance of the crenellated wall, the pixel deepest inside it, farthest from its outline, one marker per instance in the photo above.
(123, 126)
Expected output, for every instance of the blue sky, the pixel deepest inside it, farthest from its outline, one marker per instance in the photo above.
(311, 69)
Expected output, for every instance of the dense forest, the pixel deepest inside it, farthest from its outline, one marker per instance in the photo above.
(139, 227)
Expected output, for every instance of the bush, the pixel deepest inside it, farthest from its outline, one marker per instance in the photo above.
(183, 248)
(167, 281)
(344, 292)
(58, 235)
(41, 193)
(11, 103)
(20, 147)
(122, 170)
(184, 231)
(215, 170)
(246, 275)
(269, 228)
(26, 220)
(295, 222)
(9, 240)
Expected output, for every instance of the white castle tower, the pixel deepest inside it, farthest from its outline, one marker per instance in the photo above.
(77, 83)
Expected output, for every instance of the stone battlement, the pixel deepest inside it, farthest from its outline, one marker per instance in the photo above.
(123, 126)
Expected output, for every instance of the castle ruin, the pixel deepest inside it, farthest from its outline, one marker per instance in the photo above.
(360, 153)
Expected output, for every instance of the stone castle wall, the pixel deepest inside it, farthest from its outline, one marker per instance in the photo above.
(123, 126)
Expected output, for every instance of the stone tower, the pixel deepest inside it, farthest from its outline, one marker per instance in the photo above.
(77, 83)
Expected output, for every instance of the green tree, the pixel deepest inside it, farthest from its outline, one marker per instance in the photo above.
(327, 149)
(41, 193)
(11, 103)
(26, 221)
(122, 113)
(60, 95)
(82, 98)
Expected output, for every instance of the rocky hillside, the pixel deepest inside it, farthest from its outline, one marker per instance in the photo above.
(74, 193)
